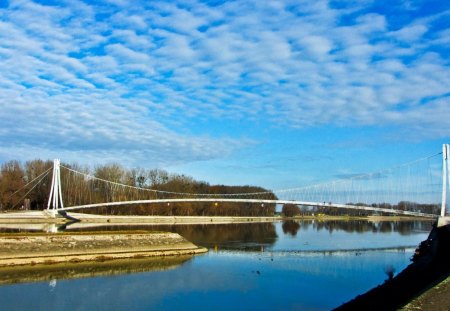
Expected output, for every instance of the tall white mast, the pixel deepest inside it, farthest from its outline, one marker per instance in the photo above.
(55, 198)
(445, 176)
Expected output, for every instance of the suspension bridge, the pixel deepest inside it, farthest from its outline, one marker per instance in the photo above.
(421, 187)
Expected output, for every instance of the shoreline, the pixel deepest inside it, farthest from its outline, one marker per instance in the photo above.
(33, 249)
(425, 280)
(435, 298)
(35, 217)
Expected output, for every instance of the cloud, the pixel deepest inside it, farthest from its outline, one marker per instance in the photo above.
(115, 79)
(362, 176)
(410, 33)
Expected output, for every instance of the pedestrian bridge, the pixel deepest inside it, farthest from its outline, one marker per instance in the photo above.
(420, 183)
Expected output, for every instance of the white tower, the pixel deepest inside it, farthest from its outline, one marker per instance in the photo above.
(445, 177)
(55, 198)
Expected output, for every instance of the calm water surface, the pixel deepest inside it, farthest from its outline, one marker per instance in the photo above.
(269, 266)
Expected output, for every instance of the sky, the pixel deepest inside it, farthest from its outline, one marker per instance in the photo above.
(277, 94)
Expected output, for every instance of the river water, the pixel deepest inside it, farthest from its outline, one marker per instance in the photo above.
(295, 265)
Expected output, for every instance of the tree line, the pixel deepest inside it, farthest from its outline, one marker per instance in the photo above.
(15, 194)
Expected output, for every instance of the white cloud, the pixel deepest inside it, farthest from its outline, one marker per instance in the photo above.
(134, 41)
(317, 46)
(410, 33)
(177, 47)
(129, 21)
(140, 77)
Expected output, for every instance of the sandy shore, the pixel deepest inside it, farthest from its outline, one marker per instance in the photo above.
(32, 249)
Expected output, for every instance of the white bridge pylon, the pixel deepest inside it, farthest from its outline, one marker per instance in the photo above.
(55, 201)
(445, 177)
(311, 198)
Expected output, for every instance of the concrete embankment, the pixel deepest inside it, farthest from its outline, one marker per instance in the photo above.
(40, 217)
(31, 217)
(436, 298)
(18, 249)
(88, 218)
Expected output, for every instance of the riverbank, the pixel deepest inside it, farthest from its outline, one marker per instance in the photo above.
(188, 220)
(34, 217)
(371, 218)
(436, 298)
(192, 220)
(32, 249)
(430, 269)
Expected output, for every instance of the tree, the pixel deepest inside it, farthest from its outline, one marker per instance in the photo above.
(157, 177)
(12, 179)
(113, 173)
(39, 195)
(290, 210)
(107, 186)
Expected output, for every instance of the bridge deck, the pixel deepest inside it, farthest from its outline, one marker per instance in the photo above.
(254, 201)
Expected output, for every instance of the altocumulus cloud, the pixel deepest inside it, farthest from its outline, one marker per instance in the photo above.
(128, 81)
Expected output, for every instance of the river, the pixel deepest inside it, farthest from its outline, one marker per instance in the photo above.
(294, 265)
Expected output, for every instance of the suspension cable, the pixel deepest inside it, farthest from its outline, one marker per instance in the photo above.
(351, 179)
(31, 189)
(45, 172)
(158, 191)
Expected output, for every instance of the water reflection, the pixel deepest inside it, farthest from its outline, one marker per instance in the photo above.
(54, 272)
(254, 236)
(251, 236)
(296, 265)
(291, 227)
(259, 232)
(291, 235)
(265, 232)
(216, 281)
(361, 226)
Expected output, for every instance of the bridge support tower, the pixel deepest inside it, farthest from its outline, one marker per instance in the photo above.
(443, 219)
(55, 197)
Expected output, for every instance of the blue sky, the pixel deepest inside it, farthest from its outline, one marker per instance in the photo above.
(271, 93)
